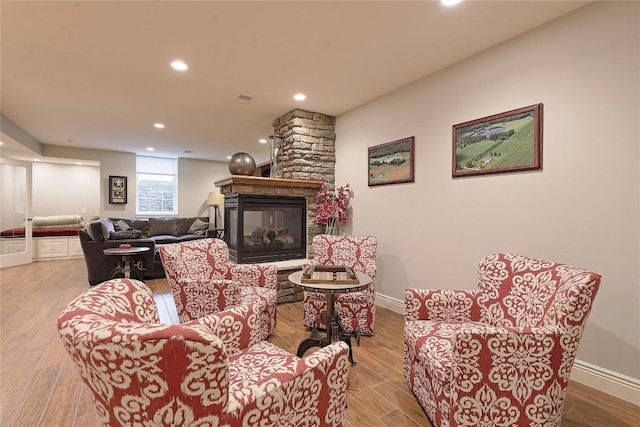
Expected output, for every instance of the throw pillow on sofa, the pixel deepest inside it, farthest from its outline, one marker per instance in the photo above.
(142, 225)
(107, 227)
(184, 224)
(163, 226)
(122, 225)
(199, 227)
(100, 230)
(125, 234)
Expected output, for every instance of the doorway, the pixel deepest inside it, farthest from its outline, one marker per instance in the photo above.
(16, 246)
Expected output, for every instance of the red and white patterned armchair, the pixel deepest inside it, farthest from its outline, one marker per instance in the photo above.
(203, 280)
(141, 372)
(357, 310)
(501, 354)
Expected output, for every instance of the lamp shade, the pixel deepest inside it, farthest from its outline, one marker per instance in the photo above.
(215, 198)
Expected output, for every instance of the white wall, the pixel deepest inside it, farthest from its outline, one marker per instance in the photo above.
(195, 179)
(61, 189)
(111, 163)
(582, 208)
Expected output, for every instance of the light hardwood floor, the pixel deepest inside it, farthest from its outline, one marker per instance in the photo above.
(40, 386)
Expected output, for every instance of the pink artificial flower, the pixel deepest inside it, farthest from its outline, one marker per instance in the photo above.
(332, 206)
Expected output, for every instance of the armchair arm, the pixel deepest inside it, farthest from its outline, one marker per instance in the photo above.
(371, 270)
(120, 360)
(298, 389)
(237, 327)
(264, 275)
(440, 304)
(515, 365)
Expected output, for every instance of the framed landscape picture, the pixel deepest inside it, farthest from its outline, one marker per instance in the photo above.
(118, 190)
(505, 142)
(391, 163)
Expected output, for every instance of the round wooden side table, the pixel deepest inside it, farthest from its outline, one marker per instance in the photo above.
(329, 317)
(125, 266)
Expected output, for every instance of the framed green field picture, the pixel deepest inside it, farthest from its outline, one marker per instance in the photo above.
(505, 142)
(391, 163)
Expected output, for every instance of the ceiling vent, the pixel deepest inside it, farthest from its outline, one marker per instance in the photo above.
(244, 99)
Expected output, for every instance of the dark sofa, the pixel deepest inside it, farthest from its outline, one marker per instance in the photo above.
(152, 233)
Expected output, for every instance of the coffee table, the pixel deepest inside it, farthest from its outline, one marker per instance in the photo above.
(329, 317)
(125, 266)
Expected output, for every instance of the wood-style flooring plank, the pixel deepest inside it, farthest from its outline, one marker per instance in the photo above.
(68, 388)
(398, 418)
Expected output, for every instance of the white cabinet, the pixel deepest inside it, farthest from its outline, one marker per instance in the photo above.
(51, 247)
(57, 247)
(75, 248)
(12, 245)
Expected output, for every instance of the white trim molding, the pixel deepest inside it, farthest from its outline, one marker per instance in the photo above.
(390, 303)
(612, 383)
(606, 381)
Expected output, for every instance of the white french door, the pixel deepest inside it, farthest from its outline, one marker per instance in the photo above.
(15, 210)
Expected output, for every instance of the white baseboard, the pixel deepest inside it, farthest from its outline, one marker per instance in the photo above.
(601, 379)
(389, 303)
(606, 381)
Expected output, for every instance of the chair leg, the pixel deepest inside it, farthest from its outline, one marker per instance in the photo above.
(356, 335)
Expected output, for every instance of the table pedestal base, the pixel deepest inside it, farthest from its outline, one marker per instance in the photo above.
(127, 269)
(335, 332)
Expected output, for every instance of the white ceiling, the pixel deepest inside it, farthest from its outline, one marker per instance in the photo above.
(97, 73)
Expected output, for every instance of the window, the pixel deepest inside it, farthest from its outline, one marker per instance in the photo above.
(157, 187)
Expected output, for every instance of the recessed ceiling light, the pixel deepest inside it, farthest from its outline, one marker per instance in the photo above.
(36, 160)
(1, 143)
(150, 149)
(79, 163)
(158, 125)
(262, 141)
(450, 2)
(179, 65)
(228, 157)
(299, 96)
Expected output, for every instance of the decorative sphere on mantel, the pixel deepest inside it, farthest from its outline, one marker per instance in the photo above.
(242, 164)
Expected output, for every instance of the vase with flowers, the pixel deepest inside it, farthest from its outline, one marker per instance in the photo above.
(331, 208)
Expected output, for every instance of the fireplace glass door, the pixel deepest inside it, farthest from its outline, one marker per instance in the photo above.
(265, 228)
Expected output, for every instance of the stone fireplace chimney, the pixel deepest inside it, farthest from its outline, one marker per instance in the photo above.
(306, 159)
(309, 146)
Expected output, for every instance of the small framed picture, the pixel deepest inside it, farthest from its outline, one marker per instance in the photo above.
(118, 190)
(391, 163)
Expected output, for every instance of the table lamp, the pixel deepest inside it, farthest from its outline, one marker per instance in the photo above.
(215, 199)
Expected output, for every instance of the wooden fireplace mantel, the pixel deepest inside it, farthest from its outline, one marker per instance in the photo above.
(258, 181)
